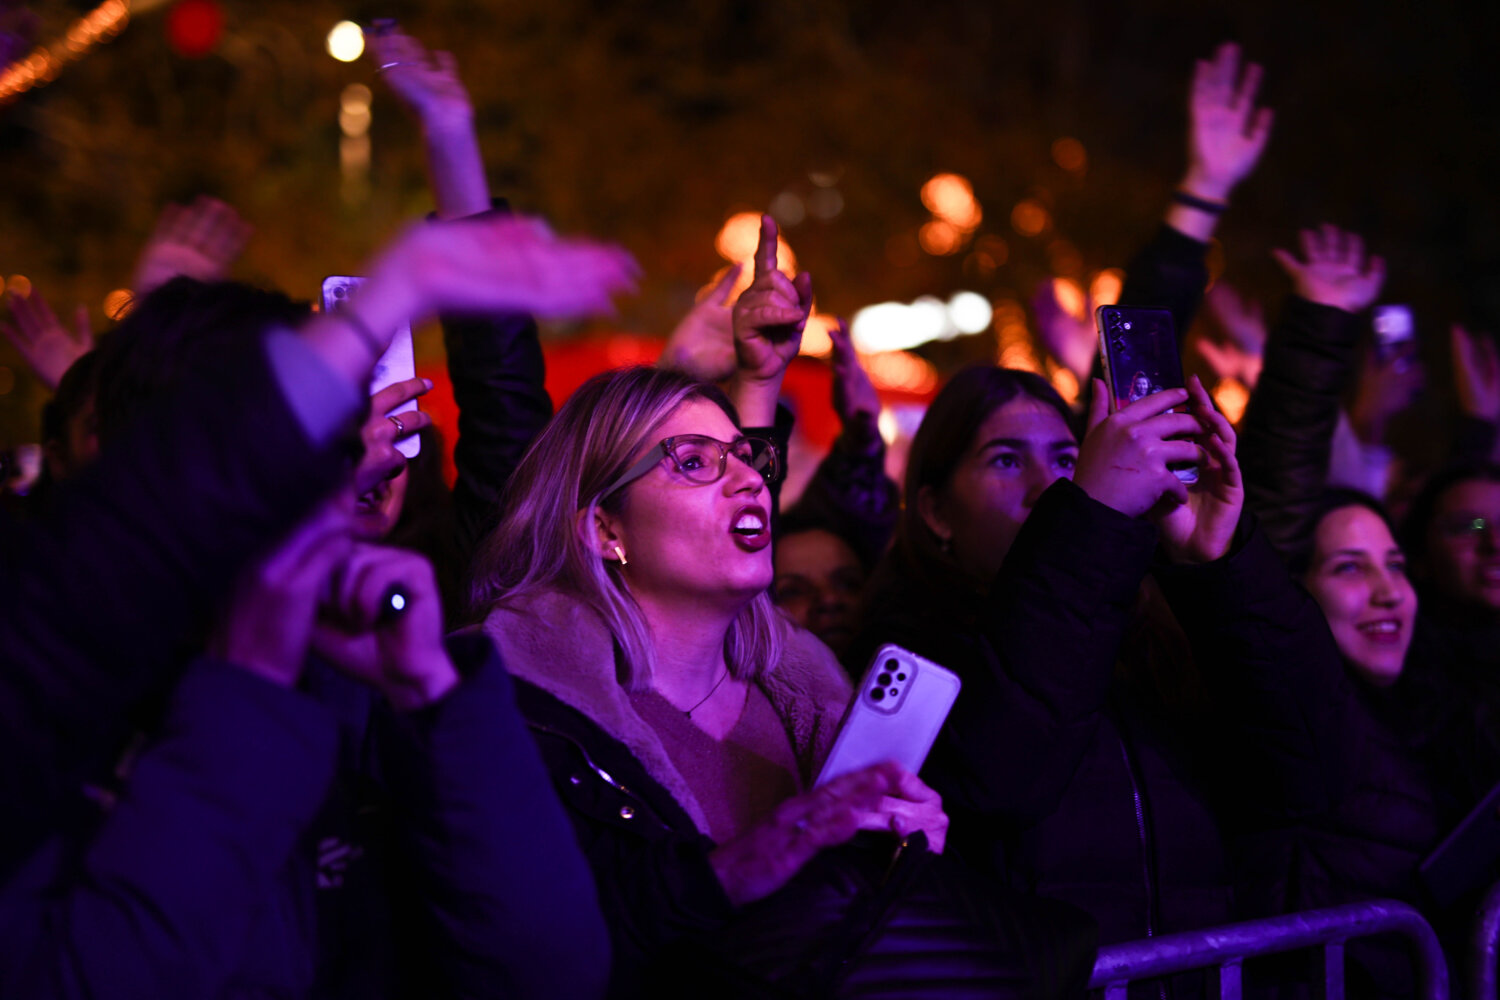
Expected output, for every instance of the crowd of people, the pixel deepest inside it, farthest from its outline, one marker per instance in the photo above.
(286, 716)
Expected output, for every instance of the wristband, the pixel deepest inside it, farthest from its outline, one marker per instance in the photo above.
(362, 328)
(1201, 204)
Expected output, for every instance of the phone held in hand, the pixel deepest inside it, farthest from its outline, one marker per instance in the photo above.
(1139, 349)
(1395, 331)
(895, 714)
(397, 364)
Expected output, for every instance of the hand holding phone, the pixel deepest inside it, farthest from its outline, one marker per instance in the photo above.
(1139, 350)
(397, 364)
(895, 714)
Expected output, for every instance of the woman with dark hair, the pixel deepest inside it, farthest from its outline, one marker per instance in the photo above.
(1019, 564)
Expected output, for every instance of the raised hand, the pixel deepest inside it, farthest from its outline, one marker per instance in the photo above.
(1227, 133)
(380, 433)
(47, 346)
(1201, 529)
(1476, 373)
(1123, 460)
(854, 397)
(384, 625)
(702, 345)
(268, 623)
(199, 241)
(1333, 270)
(426, 82)
(769, 317)
(880, 797)
(1072, 341)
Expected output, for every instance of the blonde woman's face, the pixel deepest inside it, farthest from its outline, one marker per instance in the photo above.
(696, 542)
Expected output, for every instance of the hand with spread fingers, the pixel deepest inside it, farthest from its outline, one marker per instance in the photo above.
(1201, 528)
(769, 317)
(1333, 270)
(48, 346)
(383, 625)
(426, 82)
(880, 797)
(199, 241)
(1227, 132)
(703, 342)
(1476, 373)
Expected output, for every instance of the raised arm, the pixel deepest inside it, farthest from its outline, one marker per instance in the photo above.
(1287, 433)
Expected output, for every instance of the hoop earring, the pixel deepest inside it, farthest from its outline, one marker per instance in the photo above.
(620, 555)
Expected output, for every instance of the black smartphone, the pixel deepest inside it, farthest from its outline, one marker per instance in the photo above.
(1139, 349)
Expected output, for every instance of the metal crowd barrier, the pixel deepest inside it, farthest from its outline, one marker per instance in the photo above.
(1483, 946)
(1222, 950)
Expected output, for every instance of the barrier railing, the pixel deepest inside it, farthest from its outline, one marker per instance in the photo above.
(1483, 944)
(1223, 950)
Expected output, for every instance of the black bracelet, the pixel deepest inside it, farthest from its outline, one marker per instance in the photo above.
(1201, 204)
(362, 328)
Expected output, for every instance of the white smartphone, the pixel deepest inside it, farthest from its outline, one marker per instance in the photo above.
(895, 713)
(398, 363)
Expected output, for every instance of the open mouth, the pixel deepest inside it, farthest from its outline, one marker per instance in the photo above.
(1385, 631)
(751, 528)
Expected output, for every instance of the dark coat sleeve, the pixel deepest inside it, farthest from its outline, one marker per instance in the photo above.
(103, 589)
(1171, 273)
(164, 897)
(498, 375)
(1262, 647)
(509, 902)
(1036, 670)
(1286, 437)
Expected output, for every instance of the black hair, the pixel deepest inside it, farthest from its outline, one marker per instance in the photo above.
(1330, 500)
(175, 332)
(1423, 509)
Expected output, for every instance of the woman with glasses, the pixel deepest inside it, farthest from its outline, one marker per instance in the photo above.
(683, 718)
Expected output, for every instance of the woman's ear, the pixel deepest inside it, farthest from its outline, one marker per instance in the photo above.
(603, 533)
(930, 508)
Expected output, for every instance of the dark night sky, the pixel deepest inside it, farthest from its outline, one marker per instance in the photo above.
(649, 122)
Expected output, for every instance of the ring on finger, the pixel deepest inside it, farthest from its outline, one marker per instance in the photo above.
(400, 427)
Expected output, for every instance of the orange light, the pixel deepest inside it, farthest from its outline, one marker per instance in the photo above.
(1030, 218)
(900, 371)
(19, 285)
(1070, 297)
(950, 197)
(1066, 384)
(815, 338)
(1069, 154)
(118, 303)
(940, 238)
(1106, 286)
(1231, 397)
(736, 243)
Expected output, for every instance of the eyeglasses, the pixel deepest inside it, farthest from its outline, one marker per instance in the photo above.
(1468, 529)
(702, 459)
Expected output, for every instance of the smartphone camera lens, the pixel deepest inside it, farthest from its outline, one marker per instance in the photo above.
(900, 677)
(877, 695)
(894, 692)
(884, 679)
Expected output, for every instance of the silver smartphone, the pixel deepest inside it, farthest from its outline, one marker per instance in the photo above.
(398, 363)
(895, 713)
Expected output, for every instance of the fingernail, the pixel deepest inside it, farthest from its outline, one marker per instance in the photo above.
(427, 382)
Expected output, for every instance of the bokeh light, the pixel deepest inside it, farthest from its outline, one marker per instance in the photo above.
(1105, 289)
(346, 42)
(1066, 384)
(1070, 298)
(970, 312)
(1030, 218)
(1231, 397)
(815, 338)
(950, 197)
(940, 238)
(1069, 154)
(118, 303)
(901, 371)
(19, 285)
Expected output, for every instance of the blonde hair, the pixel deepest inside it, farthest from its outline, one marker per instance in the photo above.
(550, 503)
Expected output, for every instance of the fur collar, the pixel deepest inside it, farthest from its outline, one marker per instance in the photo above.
(561, 645)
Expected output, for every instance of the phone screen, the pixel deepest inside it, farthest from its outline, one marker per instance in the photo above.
(398, 363)
(1140, 352)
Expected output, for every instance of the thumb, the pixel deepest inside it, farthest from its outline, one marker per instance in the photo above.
(803, 284)
(1099, 405)
(765, 250)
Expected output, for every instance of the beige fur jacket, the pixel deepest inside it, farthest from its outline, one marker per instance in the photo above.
(562, 646)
